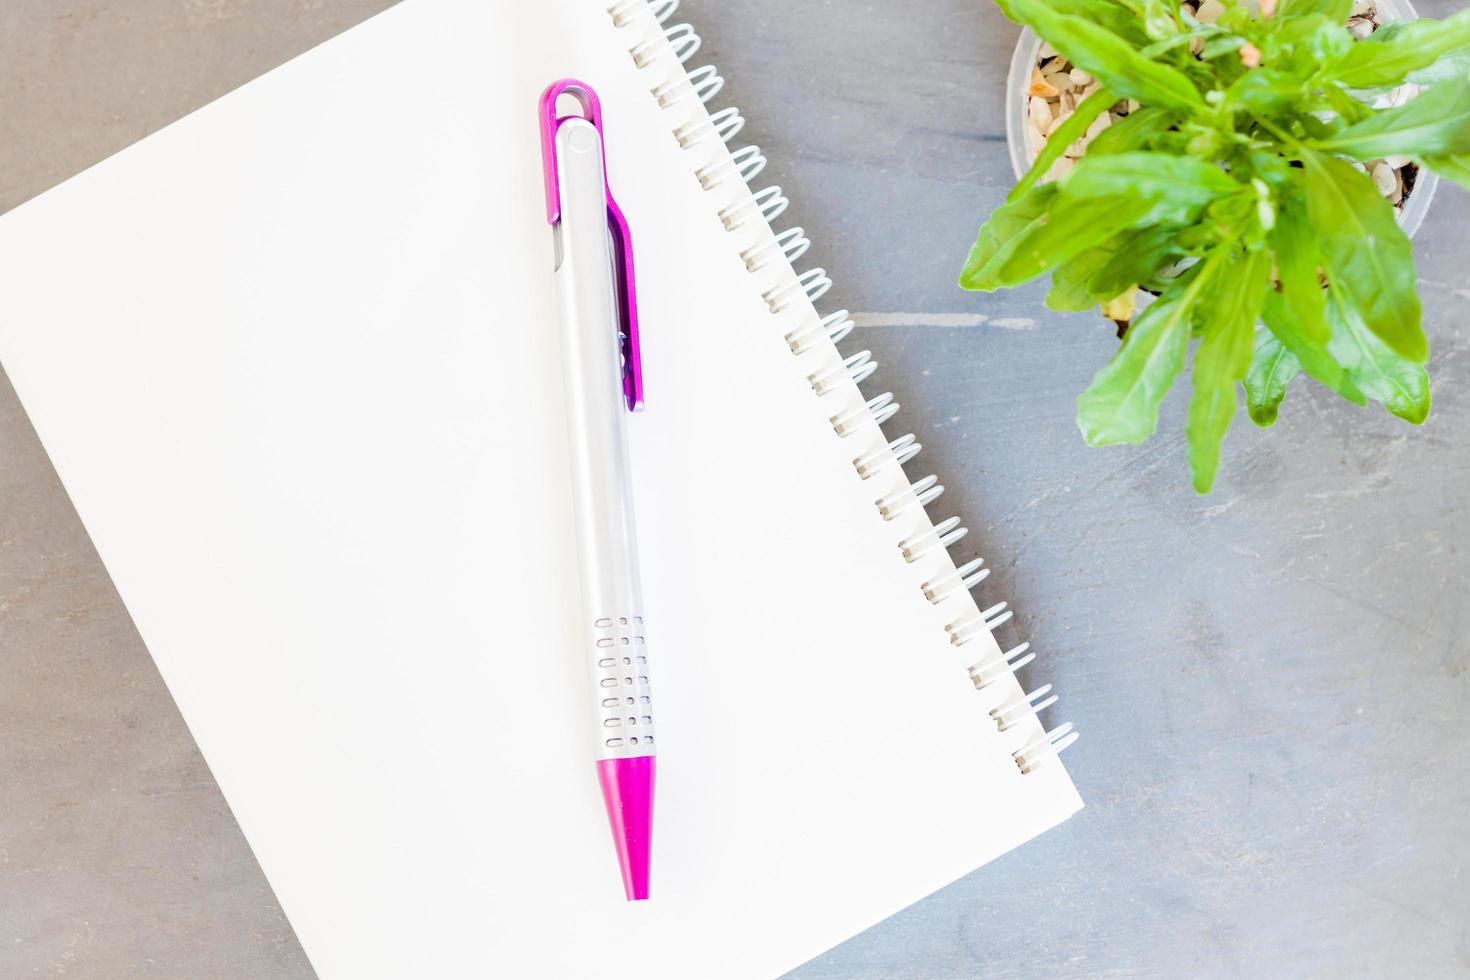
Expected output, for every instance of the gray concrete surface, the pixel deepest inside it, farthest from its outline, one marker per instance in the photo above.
(1269, 680)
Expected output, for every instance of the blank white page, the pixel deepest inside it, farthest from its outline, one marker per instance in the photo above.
(294, 358)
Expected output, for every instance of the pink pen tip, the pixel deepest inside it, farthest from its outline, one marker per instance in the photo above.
(627, 790)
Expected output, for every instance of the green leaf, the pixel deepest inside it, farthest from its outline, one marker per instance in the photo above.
(1271, 370)
(1451, 67)
(1004, 223)
(1336, 11)
(1265, 91)
(1297, 264)
(1318, 129)
(1348, 109)
(1399, 385)
(1221, 44)
(1159, 19)
(1375, 62)
(1456, 168)
(1223, 357)
(1122, 402)
(1174, 189)
(1275, 170)
(1145, 255)
(1110, 58)
(1039, 231)
(1367, 256)
(1305, 44)
(1066, 134)
(1071, 290)
(1104, 271)
(1316, 363)
(1153, 51)
(1112, 16)
(1132, 132)
(1328, 45)
(1437, 123)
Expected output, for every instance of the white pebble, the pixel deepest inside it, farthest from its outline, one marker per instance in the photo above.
(1209, 11)
(1362, 8)
(1386, 180)
(1040, 112)
(1047, 51)
(1034, 141)
(1058, 80)
(1360, 27)
(1059, 169)
(1056, 123)
(1077, 149)
(1040, 86)
(1397, 162)
(1080, 78)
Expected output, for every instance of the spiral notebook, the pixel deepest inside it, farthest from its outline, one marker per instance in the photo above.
(294, 358)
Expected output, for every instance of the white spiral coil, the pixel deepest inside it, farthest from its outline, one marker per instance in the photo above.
(745, 163)
(768, 202)
(896, 453)
(857, 367)
(722, 125)
(662, 49)
(703, 83)
(791, 243)
(834, 325)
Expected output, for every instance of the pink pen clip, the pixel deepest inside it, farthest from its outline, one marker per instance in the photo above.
(622, 238)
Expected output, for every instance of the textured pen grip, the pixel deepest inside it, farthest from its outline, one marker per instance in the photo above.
(620, 678)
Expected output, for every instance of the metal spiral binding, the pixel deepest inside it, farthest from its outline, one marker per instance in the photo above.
(857, 367)
(1052, 743)
(875, 412)
(922, 492)
(896, 453)
(834, 325)
(813, 282)
(705, 82)
(682, 43)
(723, 125)
(791, 243)
(661, 46)
(941, 535)
(1034, 703)
(962, 579)
(972, 624)
(624, 11)
(986, 671)
(746, 163)
(768, 202)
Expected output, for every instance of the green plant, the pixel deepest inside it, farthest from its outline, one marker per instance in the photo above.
(1230, 195)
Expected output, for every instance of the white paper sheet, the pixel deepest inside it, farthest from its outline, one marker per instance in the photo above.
(294, 359)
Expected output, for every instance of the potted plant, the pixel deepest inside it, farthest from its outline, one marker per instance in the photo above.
(1228, 198)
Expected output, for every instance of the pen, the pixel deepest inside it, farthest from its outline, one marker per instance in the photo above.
(604, 379)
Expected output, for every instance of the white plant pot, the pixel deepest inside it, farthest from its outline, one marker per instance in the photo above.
(1416, 202)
